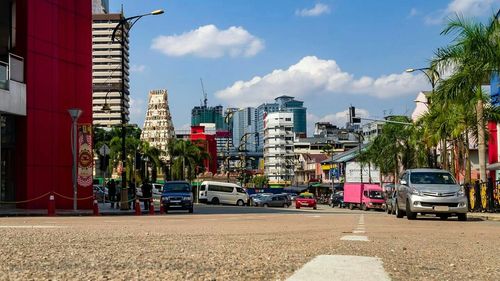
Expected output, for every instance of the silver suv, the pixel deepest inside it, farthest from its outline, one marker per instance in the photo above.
(430, 191)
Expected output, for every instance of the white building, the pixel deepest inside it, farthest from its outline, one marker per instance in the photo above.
(278, 147)
(107, 71)
(371, 130)
(158, 128)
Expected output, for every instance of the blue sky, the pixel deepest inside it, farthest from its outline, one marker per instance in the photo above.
(328, 53)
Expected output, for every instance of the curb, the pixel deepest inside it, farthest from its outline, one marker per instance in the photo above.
(484, 216)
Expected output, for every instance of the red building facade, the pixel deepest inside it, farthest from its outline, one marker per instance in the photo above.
(55, 39)
(207, 143)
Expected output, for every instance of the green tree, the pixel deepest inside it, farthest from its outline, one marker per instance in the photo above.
(187, 159)
(473, 55)
(260, 181)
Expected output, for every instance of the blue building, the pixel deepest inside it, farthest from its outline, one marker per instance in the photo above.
(243, 123)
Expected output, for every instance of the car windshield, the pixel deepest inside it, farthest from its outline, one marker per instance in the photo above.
(375, 194)
(309, 196)
(431, 178)
(177, 187)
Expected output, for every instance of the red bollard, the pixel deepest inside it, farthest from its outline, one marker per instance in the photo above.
(137, 207)
(51, 209)
(96, 208)
(162, 209)
(151, 207)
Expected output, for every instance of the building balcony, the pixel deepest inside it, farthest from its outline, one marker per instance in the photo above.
(12, 86)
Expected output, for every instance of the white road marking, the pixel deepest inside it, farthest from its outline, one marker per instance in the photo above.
(358, 231)
(31, 226)
(336, 267)
(355, 238)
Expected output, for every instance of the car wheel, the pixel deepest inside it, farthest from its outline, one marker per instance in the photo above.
(240, 203)
(265, 205)
(399, 214)
(191, 210)
(314, 208)
(351, 206)
(462, 217)
(363, 207)
(285, 205)
(409, 214)
(215, 201)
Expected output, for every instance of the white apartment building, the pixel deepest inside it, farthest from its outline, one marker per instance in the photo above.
(158, 128)
(278, 147)
(107, 71)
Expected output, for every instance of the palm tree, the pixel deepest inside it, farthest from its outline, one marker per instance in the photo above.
(187, 158)
(474, 55)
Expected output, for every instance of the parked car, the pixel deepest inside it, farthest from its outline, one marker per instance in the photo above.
(177, 195)
(337, 199)
(430, 191)
(306, 200)
(390, 202)
(100, 193)
(275, 200)
(254, 199)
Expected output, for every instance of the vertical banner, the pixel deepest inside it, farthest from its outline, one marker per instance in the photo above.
(85, 158)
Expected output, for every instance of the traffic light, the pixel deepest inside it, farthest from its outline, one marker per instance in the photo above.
(352, 116)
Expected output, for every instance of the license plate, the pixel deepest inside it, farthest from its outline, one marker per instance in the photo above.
(304, 203)
(175, 201)
(441, 208)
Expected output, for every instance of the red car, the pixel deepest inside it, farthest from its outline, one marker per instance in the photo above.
(305, 200)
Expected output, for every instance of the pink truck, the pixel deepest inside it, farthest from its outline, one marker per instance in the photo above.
(363, 196)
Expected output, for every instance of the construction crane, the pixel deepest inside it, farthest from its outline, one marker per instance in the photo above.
(205, 99)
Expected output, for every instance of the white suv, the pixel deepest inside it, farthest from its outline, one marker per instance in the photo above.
(430, 191)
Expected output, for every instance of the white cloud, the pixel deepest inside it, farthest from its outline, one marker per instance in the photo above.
(341, 118)
(469, 8)
(210, 42)
(413, 12)
(137, 68)
(312, 77)
(315, 11)
(137, 111)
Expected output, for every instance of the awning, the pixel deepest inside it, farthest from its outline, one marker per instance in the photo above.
(493, 166)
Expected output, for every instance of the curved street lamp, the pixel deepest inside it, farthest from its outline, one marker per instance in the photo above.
(435, 75)
(130, 21)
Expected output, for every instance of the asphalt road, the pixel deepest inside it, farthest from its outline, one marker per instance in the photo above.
(243, 243)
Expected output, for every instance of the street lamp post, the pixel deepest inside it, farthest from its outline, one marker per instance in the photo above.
(130, 21)
(75, 114)
(433, 78)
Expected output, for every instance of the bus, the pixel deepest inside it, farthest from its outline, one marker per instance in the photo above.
(222, 193)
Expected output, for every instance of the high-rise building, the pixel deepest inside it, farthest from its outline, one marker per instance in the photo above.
(100, 7)
(107, 70)
(206, 114)
(158, 128)
(260, 114)
(282, 103)
(244, 127)
(278, 147)
(287, 103)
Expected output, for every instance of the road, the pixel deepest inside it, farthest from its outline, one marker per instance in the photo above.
(244, 243)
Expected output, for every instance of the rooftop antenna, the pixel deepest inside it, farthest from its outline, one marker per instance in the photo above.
(204, 94)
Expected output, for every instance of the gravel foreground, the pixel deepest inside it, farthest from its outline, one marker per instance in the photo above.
(241, 247)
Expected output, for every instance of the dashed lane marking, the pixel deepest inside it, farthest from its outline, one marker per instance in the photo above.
(358, 231)
(31, 226)
(337, 267)
(355, 238)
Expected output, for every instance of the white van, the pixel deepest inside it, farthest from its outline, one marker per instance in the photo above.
(222, 193)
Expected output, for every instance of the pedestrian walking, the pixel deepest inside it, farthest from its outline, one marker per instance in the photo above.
(147, 193)
(112, 192)
(131, 193)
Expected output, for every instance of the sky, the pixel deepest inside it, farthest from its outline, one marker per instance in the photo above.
(330, 53)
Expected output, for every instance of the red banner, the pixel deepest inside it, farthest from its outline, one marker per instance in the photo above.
(85, 158)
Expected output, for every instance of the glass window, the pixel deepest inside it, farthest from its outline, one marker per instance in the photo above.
(432, 178)
(177, 187)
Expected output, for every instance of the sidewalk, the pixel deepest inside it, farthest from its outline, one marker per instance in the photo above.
(485, 216)
(104, 210)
